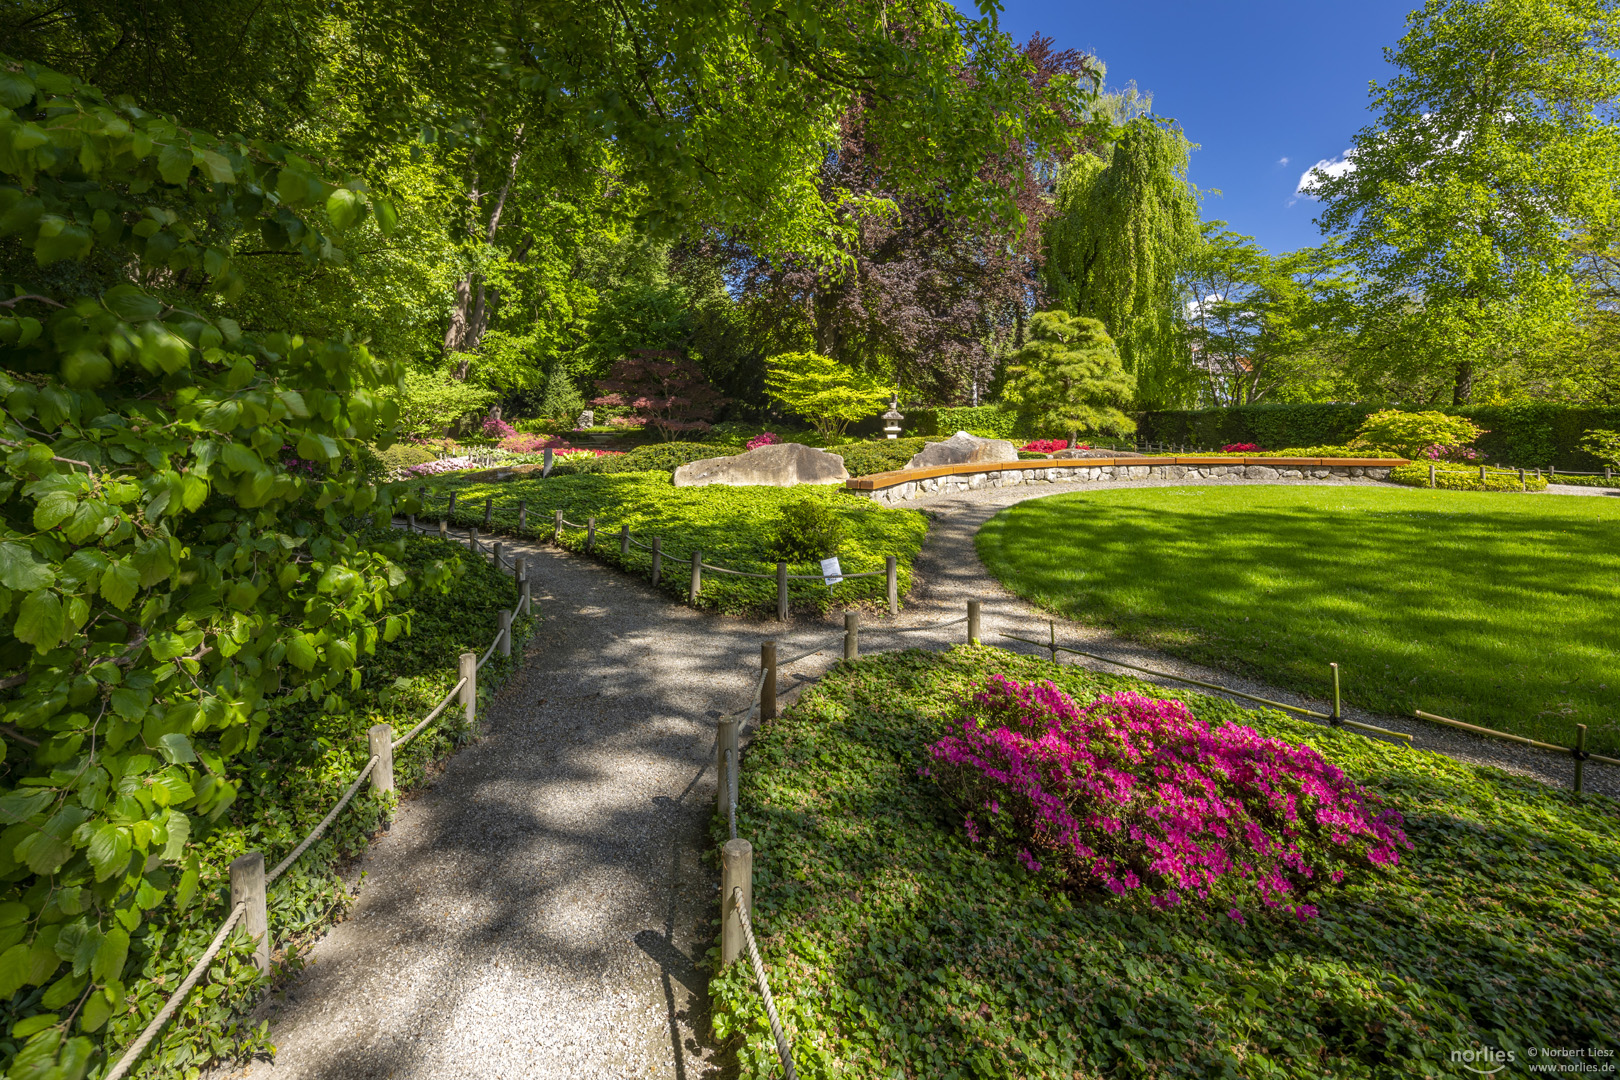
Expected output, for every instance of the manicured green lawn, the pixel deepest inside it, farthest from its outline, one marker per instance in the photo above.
(732, 526)
(1496, 609)
(897, 949)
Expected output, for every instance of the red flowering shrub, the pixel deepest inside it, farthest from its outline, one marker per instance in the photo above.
(1240, 448)
(764, 438)
(1046, 446)
(498, 429)
(1438, 452)
(1133, 793)
(532, 444)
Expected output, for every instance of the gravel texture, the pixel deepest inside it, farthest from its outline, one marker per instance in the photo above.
(543, 909)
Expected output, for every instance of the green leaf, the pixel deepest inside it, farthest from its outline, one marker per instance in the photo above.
(40, 621)
(43, 853)
(95, 1013)
(108, 851)
(22, 569)
(38, 1022)
(188, 885)
(16, 90)
(179, 829)
(131, 304)
(387, 215)
(301, 652)
(14, 967)
(174, 163)
(53, 508)
(12, 913)
(345, 208)
(176, 748)
(120, 584)
(313, 447)
(110, 956)
(218, 167)
(63, 991)
(21, 805)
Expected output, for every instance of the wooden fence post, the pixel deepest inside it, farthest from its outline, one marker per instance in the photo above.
(1431, 476)
(472, 539)
(658, 559)
(736, 872)
(767, 689)
(499, 565)
(1337, 718)
(1482, 474)
(523, 515)
(590, 534)
(503, 620)
(247, 887)
(489, 511)
(556, 526)
(725, 742)
(852, 635)
(381, 738)
(624, 541)
(450, 509)
(1052, 626)
(697, 574)
(1580, 756)
(781, 592)
(444, 530)
(546, 462)
(410, 523)
(973, 622)
(524, 600)
(889, 569)
(469, 692)
(520, 571)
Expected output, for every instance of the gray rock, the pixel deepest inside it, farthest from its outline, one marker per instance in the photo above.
(963, 449)
(777, 465)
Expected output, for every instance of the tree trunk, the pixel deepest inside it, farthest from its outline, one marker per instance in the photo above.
(470, 316)
(1463, 389)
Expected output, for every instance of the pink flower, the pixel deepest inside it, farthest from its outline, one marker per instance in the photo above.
(1240, 448)
(764, 438)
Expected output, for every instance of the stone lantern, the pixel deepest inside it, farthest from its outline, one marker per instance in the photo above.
(891, 419)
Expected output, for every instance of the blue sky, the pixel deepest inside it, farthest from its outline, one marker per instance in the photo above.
(1253, 83)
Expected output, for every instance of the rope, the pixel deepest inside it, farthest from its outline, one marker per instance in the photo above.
(489, 652)
(139, 1046)
(783, 1051)
(913, 629)
(321, 828)
(430, 717)
(736, 573)
(759, 686)
(801, 656)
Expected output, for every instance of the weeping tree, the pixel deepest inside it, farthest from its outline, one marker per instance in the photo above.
(1068, 377)
(1124, 221)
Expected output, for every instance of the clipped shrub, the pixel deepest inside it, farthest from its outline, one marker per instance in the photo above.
(1133, 793)
(401, 456)
(1464, 478)
(658, 457)
(806, 531)
(985, 421)
(880, 455)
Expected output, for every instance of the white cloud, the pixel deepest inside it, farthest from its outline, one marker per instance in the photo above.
(1282, 161)
(1330, 168)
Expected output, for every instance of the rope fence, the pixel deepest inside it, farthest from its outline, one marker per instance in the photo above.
(659, 554)
(250, 882)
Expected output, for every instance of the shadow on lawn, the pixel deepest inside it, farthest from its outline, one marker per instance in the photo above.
(1503, 619)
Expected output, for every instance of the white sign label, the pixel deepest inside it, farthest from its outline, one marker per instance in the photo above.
(832, 571)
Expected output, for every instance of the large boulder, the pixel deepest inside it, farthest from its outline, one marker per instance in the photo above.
(777, 465)
(964, 449)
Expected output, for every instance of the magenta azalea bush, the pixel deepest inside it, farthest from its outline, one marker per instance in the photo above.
(498, 429)
(764, 438)
(1049, 446)
(1241, 448)
(1437, 452)
(1134, 795)
(532, 444)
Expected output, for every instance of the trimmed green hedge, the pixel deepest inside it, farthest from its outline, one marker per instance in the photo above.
(1532, 435)
(732, 526)
(1464, 478)
(306, 756)
(896, 948)
(860, 458)
(1584, 481)
(986, 421)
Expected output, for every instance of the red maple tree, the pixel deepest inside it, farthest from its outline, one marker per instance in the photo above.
(667, 391)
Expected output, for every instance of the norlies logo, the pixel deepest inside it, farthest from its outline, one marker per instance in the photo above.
(1486, 1061)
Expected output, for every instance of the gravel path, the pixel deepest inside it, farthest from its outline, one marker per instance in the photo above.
(540, 911)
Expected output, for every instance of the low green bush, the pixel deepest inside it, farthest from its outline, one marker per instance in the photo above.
(1464, 478)
(1583, 481)
(806, 531)
(880, 455)
(306, 756)
(986, 421)
(898, 948)
(403, 455)
(654, 457)
(732, 526)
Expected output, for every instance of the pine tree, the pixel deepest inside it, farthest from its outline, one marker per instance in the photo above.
(1068, 377)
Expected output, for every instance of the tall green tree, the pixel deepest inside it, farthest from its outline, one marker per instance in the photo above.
(1494, 141)
(1263, 327)
(1068, 377)
(1124, 221)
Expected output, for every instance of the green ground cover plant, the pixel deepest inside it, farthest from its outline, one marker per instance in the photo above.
(733, 526)
(288, 779)
(1465, 478)
(897, 948)
(1491, 610)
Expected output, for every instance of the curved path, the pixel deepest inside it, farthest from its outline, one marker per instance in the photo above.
(542, 910)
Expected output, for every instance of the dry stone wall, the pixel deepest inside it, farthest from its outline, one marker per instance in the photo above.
(909, 490)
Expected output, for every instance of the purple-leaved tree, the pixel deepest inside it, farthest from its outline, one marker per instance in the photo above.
(667, 391)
